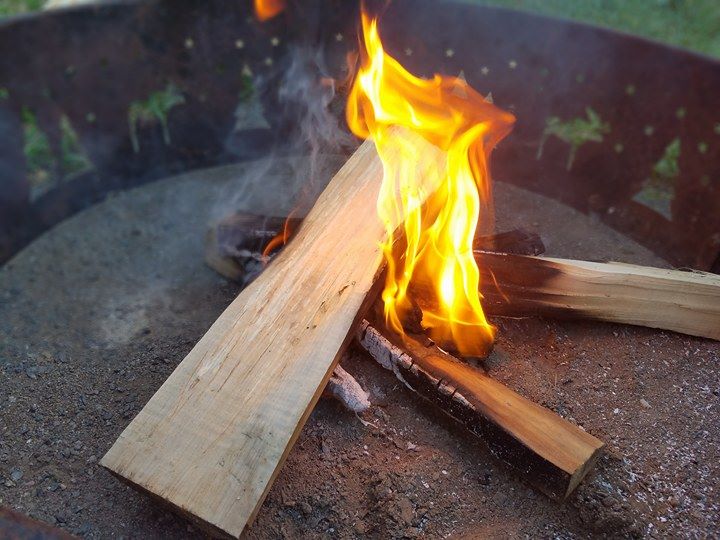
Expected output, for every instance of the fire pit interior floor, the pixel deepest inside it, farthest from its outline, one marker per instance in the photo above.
(95, 315)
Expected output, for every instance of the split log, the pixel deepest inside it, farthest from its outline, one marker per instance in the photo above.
(549, 452)
(685, 302)
(212, 439)
(515, 282)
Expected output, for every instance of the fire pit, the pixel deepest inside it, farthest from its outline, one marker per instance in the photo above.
(128, 295)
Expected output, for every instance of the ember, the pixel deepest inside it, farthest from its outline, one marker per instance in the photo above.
(439, 234)
(267, 9)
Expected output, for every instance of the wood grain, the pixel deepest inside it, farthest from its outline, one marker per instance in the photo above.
(214, 436)
(546, 450)
(685, 302)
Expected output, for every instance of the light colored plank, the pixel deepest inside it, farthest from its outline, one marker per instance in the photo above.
(685, 302)
(213, 437)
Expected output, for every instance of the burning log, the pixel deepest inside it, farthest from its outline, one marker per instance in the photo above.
(549, 452)
(685, 302)
(212, 439)
(517, 282)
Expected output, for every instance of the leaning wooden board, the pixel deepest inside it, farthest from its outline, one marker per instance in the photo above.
(214, 436)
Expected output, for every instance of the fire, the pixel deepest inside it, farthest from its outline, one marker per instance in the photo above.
(267, 9)
(439, 232)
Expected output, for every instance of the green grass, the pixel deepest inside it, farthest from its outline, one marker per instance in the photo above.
(574, 132)
(154, 109)
(15, 7)
(693, 24)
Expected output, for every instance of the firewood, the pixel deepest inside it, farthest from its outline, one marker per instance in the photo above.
(513, 284)
(683, 301)
(212, 439)
(546, 450)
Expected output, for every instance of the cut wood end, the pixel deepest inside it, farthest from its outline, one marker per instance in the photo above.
(584, 469)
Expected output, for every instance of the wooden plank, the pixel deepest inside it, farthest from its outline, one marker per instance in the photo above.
(685, 302)
(546, 450)
(213, 437)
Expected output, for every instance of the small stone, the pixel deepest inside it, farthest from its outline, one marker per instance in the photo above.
(486, 479)
(412, 447)
(412, 532)
(406, 510)
(645, 404)
(609, 501)
(305, 508)
(16, 474)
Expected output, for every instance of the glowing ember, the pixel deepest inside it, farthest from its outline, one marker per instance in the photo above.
(267, 9)
(439, 233)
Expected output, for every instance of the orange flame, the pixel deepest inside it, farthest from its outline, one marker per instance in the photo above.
(267, 9)
(439, 232)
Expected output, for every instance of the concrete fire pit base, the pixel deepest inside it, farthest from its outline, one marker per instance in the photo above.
(95, 315)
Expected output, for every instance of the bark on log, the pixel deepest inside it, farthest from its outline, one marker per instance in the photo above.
(546, 450)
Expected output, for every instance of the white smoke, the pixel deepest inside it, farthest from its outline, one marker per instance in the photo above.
(299, 167)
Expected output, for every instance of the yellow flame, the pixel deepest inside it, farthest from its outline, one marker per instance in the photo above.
(441, 210)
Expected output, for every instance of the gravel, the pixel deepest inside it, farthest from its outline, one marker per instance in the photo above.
(96, 314)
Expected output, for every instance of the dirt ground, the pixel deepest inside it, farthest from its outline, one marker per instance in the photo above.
(96, 314)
